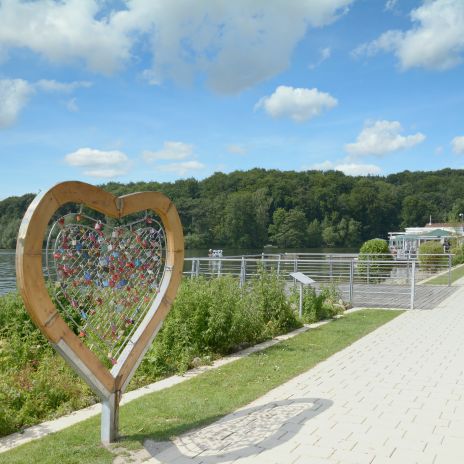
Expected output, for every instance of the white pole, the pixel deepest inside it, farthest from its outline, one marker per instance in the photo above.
(413, 283)
(300, 311)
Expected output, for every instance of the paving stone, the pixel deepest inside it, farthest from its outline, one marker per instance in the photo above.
(396, 396)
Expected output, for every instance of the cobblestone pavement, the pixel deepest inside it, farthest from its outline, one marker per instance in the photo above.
(395, 396)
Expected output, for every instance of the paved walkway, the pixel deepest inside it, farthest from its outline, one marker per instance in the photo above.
(395, 396)
(399, 296)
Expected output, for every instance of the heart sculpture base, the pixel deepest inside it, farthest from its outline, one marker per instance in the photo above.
(120, 297)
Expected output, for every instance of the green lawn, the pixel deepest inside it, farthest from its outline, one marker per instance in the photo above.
(456, 273)
(202, 399)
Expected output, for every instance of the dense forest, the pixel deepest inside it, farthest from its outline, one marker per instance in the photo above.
(248, 209)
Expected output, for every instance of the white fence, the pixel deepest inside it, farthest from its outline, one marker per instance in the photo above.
(366, 278)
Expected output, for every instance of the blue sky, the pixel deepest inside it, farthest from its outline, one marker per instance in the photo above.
(165, 89)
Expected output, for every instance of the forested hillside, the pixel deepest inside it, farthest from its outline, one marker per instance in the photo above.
(248, 209)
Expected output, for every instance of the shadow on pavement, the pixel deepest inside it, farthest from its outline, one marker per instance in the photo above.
(242, 434)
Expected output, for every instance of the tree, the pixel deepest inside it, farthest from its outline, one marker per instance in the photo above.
(289, 228)
(314, 237)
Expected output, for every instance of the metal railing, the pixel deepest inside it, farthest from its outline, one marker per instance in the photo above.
(358, 277)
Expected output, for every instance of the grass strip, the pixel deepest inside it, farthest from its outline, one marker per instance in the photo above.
(203, 399)
(456, 273)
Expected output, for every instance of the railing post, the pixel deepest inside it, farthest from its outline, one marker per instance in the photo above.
(300, 309)
(192, 270)
(242, 272)
(278, 266)
(413, 283)
(197, 268)
(449, 270)
(369, 269)
(330, 268)
(351, 280)
(219, 267)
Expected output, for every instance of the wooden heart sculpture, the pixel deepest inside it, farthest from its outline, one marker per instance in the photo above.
(116, 284)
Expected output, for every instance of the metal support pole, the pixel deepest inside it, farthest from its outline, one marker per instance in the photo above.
(449, 270)
(192, 271)
(368, 269)
(330, 268)
(351, 280)
(197, 268)
(242, 272)
(219, 267)
(278, 266)
(110, 418)
(295, 269)
(300, 309)
(413, 283)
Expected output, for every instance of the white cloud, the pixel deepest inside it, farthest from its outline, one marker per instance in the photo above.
(171, 151)
(458, 144)
(99, 163)
(350, 169)
(65, 31)
(14, 95)
(234, 43)
(391, 4)
(181, 168)
(71, 105)
(324, 54)
(381, 137)
(236, 149)
(435, 41)
(299, 104)
(47, 85)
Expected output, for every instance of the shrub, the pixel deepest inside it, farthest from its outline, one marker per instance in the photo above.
(209, 318)
(457, 249)
(214, 317)
(35, 383)
(319, 306)
(432, 262)
(373, 251)
(266, 296)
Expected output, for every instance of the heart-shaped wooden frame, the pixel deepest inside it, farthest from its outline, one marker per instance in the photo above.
(32, 286)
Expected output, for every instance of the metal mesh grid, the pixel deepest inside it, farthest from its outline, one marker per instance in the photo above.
(105, 278)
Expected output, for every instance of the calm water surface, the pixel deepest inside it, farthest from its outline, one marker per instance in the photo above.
(8, 274)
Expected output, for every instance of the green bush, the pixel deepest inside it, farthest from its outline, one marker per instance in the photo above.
(209, 318)
(370, 253)
(319, 306)
(214, 317)
(457, 250)
(265, 295)
(432, 262)
(35, 383)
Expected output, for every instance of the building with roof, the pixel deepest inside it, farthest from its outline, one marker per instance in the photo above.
(405, 244)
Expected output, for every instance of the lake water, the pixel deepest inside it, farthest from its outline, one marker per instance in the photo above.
(8, 274)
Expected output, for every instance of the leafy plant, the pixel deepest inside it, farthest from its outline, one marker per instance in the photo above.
(428, 258)
(457, 250)
(321, 305)
(373, 260)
